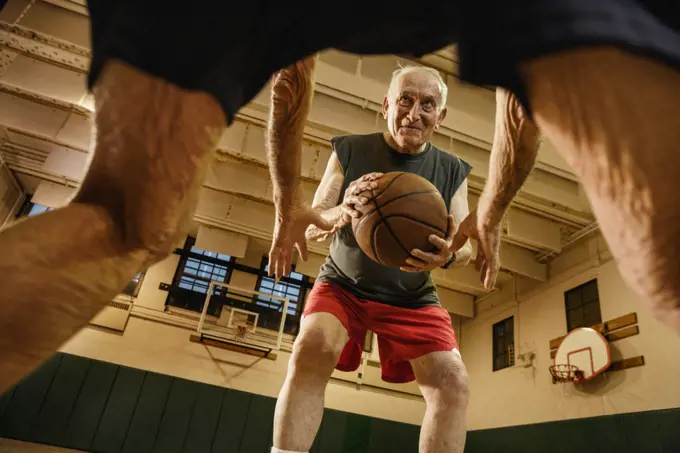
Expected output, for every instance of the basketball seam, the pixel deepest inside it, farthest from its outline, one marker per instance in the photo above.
(382, 221)
(415, 220)
(398, 198)
(387, 186)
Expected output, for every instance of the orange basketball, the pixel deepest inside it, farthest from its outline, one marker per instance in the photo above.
(403, 211)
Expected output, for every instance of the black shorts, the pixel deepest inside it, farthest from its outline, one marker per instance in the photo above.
(231, 51)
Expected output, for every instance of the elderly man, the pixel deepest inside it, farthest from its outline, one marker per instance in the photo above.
(353, 293)
(166, 85)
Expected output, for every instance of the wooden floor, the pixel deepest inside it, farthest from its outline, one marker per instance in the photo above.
(16, 446)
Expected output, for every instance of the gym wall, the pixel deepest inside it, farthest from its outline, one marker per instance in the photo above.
(525, 395)
(148, 344)
(101, 407)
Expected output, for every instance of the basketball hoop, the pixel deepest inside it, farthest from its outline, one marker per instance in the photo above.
(565, 373)
(241, 330)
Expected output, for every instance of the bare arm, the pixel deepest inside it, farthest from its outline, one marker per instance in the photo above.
(513, 155)
(291, 97)
(326, 199)
(460, 210)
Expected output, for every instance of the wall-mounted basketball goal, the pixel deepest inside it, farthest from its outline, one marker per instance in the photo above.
(585, 352)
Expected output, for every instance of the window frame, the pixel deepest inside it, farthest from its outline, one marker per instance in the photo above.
(178, 293)
(581, 290)
(28, 206)
(508, 350)
(303, 284)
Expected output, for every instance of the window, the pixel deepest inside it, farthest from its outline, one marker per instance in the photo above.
(196, 269)
(30, 209)
(293, 287)
(503, 344)
(583, 306)
(37, 209)
(132, 288)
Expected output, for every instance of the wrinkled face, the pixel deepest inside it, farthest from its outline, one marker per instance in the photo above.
(412, 110)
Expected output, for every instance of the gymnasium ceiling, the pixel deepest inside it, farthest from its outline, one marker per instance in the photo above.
(45, 137)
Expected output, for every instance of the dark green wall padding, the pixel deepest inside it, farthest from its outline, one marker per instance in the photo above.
(95, 406)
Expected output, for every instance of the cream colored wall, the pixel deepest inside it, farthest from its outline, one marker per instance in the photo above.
(166, 349)
(156, 346)
(518, 395)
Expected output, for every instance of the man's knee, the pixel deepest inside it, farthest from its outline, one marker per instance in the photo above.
(446, 384)
(318, 346)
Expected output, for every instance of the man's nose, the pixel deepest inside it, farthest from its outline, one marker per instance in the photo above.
(414, 113)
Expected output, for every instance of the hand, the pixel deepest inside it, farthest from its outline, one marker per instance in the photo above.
(420, 261)
(353, 199)
(289, 232)
(488, 236)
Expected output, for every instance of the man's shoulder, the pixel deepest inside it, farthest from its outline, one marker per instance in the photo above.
(447, 157)
(454, 164)
(354, 139)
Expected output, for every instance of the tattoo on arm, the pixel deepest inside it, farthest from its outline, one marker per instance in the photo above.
(326, 199)
(513, 155)
(460, 210)
(291, 95)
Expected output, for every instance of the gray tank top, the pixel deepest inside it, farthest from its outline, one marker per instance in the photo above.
(347, 265)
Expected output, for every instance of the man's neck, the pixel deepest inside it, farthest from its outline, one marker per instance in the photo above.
(393, 143)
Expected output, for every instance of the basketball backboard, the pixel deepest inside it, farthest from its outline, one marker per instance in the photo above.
(250, 318)
(586, 349)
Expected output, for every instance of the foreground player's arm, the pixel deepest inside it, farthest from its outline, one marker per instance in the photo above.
(460, 210)
(513, 155)
(326, 199)
(291, 97)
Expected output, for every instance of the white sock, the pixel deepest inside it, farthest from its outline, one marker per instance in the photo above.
(277, 450)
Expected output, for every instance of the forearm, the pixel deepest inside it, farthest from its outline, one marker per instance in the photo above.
(513, 156)
(291, 96)
(332, 215)
(463, 255)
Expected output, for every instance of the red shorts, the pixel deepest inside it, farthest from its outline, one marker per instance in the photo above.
(403, 334)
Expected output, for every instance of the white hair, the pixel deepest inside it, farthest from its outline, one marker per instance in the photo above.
(403, 70)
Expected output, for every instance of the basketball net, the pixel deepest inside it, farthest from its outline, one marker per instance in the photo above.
(241, 330)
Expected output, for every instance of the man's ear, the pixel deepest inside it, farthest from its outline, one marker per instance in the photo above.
(441, 117)
(385, 106)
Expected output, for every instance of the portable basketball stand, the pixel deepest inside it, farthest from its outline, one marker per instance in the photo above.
(584, 353)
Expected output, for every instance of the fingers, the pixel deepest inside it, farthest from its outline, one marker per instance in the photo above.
(301, 246)
(364, 183)
(441, 244)
(349, 206)
(466, 230)
(490, 277)
(276, 261)
(491, 272)
(371, 176)
(279, 261)
(410, 269)
(423, 258)
(354, 200)
(272, 260)
(479, 260)
(280, 265)
(450, 229)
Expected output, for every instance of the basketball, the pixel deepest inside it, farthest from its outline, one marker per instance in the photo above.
(402, 213)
